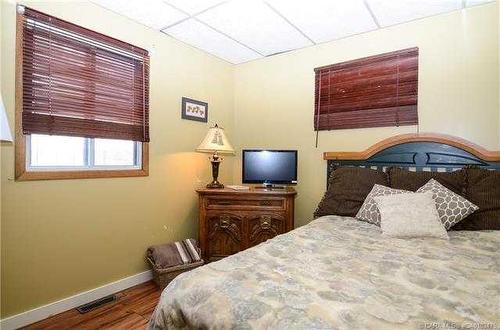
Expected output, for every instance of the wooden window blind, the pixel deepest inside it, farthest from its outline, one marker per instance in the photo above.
(375, 91)
(77, 82)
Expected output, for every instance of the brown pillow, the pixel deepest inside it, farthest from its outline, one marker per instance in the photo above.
(347, 190)
(483, 189)
(407, 180)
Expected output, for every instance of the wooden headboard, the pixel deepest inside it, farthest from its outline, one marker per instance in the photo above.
(417, 152)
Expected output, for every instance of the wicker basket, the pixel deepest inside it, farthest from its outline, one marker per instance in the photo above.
(164, 276)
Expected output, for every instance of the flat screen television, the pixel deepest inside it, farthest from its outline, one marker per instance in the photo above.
(269, 166)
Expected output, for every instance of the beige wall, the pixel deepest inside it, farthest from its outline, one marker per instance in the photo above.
(63, 237)
(458, 92)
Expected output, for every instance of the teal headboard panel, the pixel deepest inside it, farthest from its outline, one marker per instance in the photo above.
(447, 154)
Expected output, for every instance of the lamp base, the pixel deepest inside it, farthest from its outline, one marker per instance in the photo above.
(215, 185)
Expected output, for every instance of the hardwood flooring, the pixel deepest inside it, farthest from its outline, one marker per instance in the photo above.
(131, 310)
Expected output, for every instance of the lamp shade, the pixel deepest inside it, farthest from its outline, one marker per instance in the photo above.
(4, 124)
(215, 140)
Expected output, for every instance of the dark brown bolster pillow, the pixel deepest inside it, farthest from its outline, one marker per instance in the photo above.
(347, 190)
(483, 189)
(407, 180)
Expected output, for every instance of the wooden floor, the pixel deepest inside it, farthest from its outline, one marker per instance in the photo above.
(131, 310)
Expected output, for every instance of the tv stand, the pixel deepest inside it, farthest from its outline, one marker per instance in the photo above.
(231, 221)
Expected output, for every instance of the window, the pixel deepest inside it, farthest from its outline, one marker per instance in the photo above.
(66, 153)
(374, 91)
(83, 102)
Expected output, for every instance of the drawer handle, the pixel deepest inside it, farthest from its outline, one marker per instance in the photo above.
(265, 222)
(266, 203)
(224, 203)
(224, 222)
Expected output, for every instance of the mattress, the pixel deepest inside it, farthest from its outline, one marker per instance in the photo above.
(338, 272)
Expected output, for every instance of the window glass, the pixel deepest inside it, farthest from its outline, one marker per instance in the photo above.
(114, 152)
(61, 151)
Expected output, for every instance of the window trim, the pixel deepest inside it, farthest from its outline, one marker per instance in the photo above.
(24, 174)
(21, 171)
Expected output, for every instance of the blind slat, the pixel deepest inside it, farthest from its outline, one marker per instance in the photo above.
(78, 82)
(376, 91)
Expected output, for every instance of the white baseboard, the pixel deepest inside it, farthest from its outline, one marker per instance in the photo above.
(40, 313)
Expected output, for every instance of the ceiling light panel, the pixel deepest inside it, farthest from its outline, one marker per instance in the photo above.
(153, 13)
(325, 20)
(203, 37)
(256, 25)
(193, 6)
(470, 3)
(390, 12)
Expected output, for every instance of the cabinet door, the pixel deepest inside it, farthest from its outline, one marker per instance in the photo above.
(262, 227)
(225, 235)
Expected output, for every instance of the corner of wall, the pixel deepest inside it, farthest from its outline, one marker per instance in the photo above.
(1, 64)
(498, 68)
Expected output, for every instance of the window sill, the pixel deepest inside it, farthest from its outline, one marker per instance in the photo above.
(65, 175)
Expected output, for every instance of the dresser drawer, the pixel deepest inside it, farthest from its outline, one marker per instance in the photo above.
(225, 233)
(221, 202)
(263, 226)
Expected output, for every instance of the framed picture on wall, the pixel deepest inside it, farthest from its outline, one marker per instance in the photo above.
(194, 110)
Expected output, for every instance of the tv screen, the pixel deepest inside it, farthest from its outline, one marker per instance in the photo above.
(270, 166)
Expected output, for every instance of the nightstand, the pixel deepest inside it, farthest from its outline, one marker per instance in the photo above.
(231, 221)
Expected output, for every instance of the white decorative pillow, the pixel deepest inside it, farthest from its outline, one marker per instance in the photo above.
(369, 211)
(452, 208)
(410, 215)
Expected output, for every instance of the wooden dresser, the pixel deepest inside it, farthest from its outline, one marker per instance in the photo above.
(231, 221)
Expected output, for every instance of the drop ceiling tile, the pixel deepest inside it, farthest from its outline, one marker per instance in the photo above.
(256, 25)
(325, 20)
(470, 3)
(193, 6)
(203, 37)
(153, 13)
(390, 12)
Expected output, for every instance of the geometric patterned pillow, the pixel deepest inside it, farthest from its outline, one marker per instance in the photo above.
(369, 211)
(452, 208)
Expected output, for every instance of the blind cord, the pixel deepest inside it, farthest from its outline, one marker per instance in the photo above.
(318, 109)
(397, 94)
(50, 71)
(144, 101)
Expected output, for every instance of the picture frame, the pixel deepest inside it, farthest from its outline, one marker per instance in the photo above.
(194, 110)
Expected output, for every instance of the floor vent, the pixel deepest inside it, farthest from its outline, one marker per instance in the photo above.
(96, 304)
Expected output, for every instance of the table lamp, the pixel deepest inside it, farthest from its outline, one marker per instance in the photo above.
(215, 142)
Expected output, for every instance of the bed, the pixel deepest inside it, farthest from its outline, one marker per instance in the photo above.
(339, 272)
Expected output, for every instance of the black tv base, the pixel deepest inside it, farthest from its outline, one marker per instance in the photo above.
(270, 186)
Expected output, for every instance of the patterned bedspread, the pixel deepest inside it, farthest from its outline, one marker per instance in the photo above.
(340, 273)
